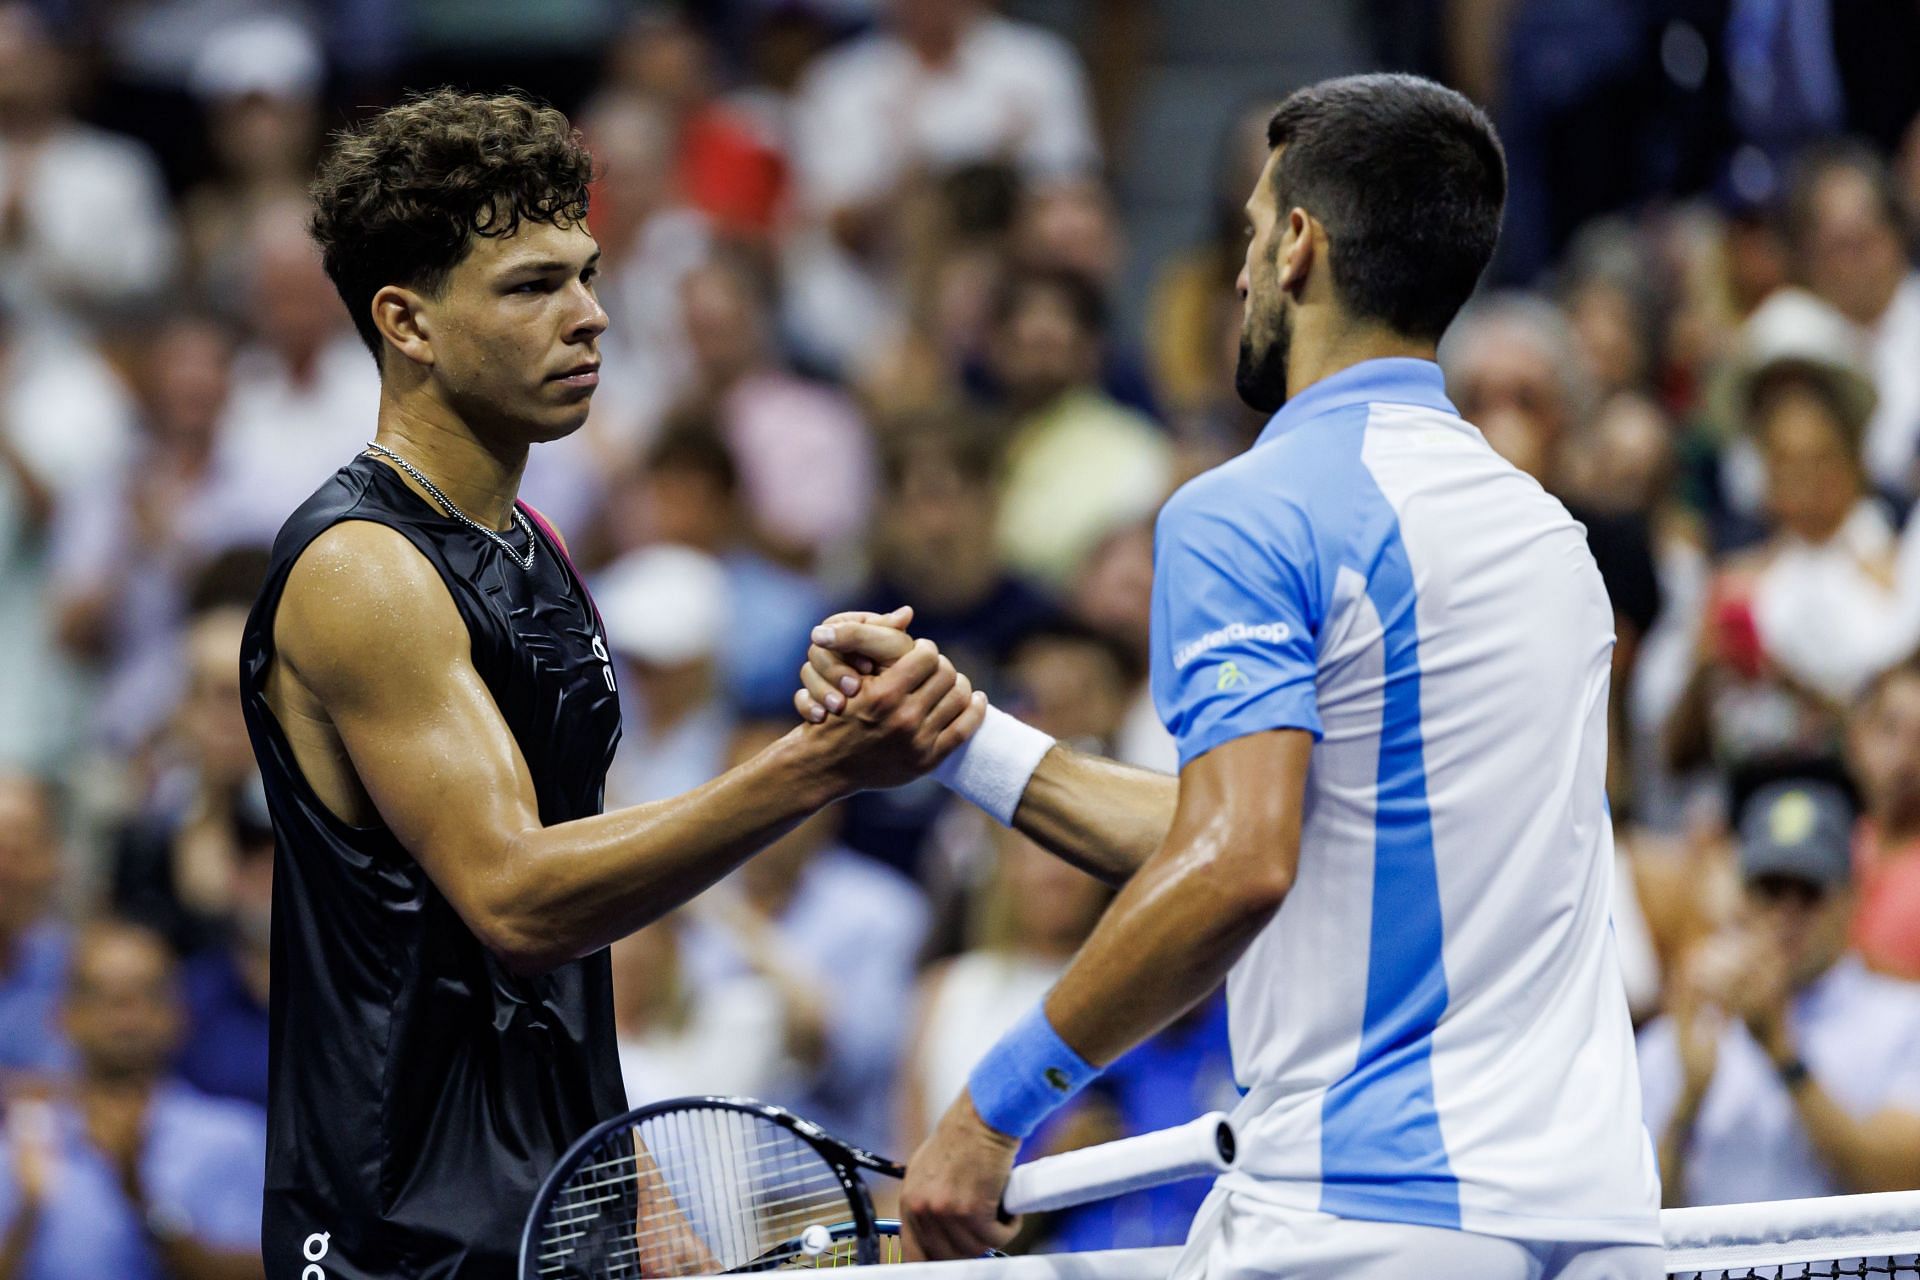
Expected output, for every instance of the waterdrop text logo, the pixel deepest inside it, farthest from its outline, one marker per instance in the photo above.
(1233, 632)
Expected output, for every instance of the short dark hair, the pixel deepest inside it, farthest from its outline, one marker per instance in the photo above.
(691, 442)
(399, 198)
(1084, 299)
(1409, 179)
(963, 439)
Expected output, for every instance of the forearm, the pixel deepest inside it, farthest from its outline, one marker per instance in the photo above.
(1104, 817)
(1166, 942)
(568, 890)
(1881, 1153)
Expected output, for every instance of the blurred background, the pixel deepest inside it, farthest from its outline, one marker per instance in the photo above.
(982, 257)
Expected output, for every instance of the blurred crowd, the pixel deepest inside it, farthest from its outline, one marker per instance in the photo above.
(887, 234)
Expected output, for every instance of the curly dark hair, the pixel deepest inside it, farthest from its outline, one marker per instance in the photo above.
(399, 198)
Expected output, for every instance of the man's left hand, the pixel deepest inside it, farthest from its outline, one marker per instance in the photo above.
(950, 1205)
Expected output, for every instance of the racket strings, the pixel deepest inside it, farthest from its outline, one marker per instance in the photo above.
(692, 1191)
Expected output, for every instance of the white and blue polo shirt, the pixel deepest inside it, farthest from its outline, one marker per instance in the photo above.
(1432, 1029)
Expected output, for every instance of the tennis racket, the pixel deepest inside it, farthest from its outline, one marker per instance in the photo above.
(705, 1186)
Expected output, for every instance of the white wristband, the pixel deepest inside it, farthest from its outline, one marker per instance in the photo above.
(992, 767)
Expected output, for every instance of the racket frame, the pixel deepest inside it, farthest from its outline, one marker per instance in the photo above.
(845, 1160)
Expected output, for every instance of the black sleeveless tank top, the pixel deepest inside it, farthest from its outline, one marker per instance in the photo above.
(419, 1090)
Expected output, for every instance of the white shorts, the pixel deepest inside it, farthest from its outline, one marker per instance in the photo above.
(1235, 1237)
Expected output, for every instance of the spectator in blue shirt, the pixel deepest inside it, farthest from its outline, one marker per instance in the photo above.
(33, 945)
(126, 1173)
(225, 985)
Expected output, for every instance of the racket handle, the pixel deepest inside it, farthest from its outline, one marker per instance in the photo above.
(1202, 1147)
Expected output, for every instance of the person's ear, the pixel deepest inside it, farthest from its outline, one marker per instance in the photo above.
(400, 316)
(1296, 253)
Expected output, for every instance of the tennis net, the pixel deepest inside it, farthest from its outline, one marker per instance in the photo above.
(1838, 1236)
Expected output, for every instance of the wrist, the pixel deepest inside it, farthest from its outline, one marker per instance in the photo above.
(1026, 1077)
(800, 766)
(967, 1116)
(992, 768)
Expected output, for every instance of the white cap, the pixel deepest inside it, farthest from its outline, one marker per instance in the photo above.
(1794, 327)
(268, 55)
(664, 605)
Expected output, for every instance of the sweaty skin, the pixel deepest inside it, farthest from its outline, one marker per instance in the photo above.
(1102, 816)
(1206, 861)
(374, 686)
(1196, 892)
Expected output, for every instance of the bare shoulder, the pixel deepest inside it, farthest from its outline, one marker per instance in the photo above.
(362, 600)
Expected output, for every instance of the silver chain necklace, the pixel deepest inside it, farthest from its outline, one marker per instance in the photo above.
(533, 543)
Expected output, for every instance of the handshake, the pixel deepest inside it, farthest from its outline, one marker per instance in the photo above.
(882, 709)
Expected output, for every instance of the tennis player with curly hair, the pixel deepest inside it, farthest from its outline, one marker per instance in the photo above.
(427, 686)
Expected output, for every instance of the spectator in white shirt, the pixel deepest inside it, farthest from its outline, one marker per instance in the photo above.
(650, 240)
(63, 430)
(840, 933)
(305, 392)
(667, 609)
(258, 80)
(942, 84)
(1850, 247)
(1835, 595)
(84, 224)
(126, 548)
(1784, 1068)
(677, 1039)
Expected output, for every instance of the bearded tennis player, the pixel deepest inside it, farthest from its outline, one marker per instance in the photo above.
(1384, 654)
(430, 700)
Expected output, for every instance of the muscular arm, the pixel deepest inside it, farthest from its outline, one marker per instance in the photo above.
(1102, 816)
(1227, 865)
(368, 629)
(1168, 940)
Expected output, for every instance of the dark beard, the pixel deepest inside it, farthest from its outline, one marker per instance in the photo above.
(1261, 376)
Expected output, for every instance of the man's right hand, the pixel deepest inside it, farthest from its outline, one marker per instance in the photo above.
(901, 722)
(847, 648)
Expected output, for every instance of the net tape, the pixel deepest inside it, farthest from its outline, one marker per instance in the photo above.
(1836, 1236)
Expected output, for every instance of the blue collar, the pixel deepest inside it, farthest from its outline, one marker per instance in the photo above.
(1390, 380)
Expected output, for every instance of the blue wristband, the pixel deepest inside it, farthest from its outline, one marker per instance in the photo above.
(1027, 1076)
